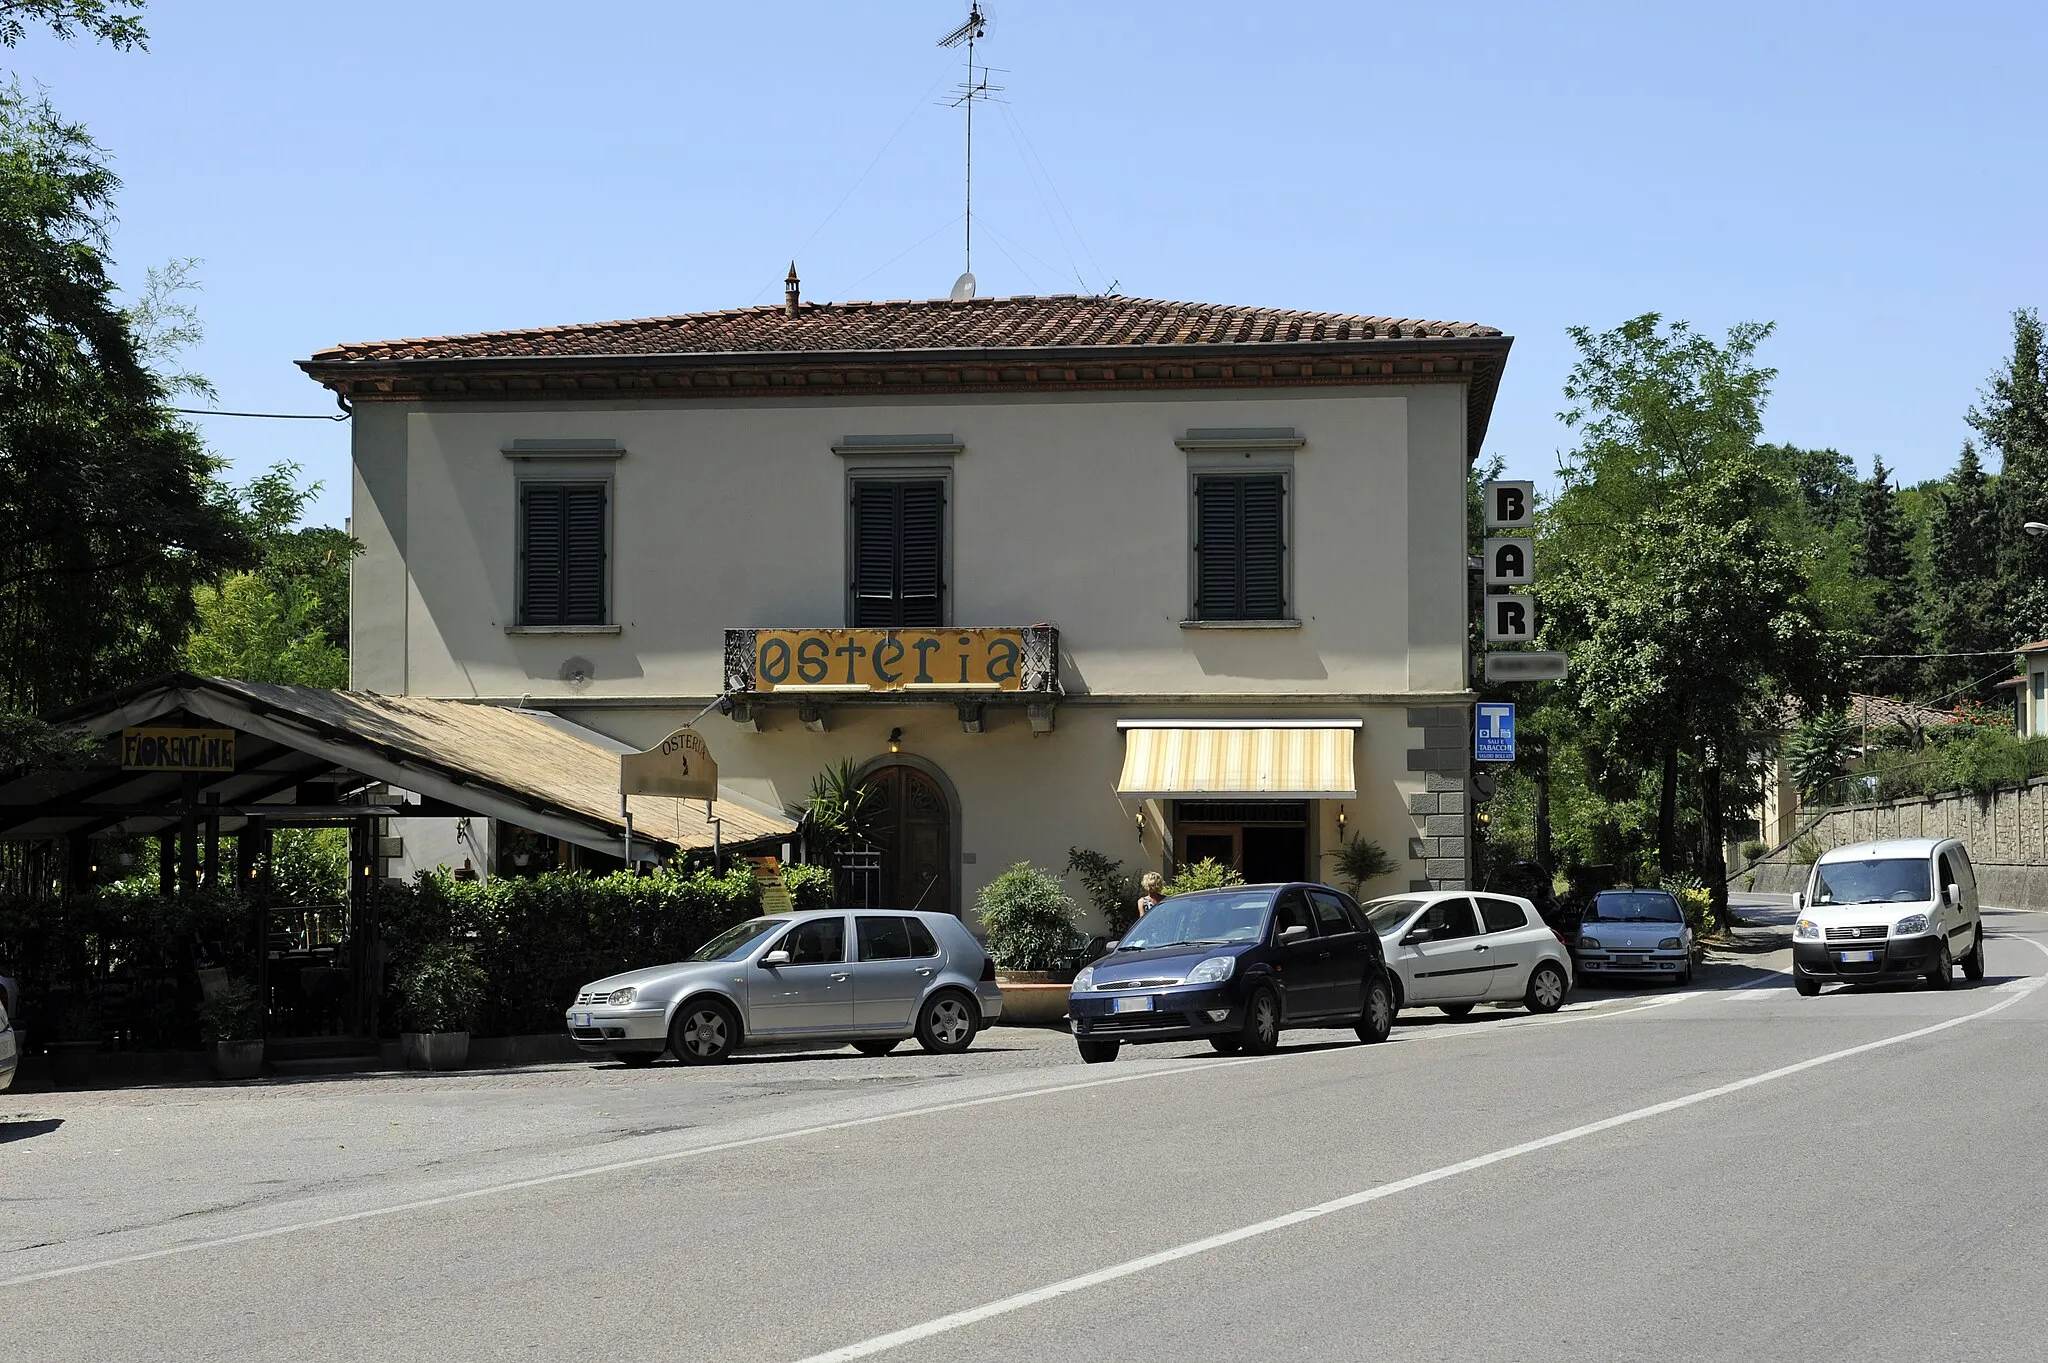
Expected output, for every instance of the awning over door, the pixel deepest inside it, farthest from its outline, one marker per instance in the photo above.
(1277, 761)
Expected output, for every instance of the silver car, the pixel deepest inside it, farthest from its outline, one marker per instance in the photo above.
(8, 1049)
(1453, 950)
(873, 977)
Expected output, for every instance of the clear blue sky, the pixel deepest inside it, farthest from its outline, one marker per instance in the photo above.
(1869, 176)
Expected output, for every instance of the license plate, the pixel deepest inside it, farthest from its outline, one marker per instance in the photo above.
(1141, 1004)
(1859, 956)
(585, 1020)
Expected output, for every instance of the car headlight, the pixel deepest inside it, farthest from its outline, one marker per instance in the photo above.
(1084, 979)
(1671, 944)
(1589, 943)
(1806, 930)
(621, 997)
(1215, 970)
(1909, 925)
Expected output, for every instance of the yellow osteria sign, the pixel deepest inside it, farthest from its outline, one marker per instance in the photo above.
(889, 659)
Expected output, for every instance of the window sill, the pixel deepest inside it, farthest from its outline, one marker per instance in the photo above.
(1240, 624)
(564, 629)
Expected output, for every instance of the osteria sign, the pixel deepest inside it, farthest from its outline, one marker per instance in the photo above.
(680, 765)
(888, 659)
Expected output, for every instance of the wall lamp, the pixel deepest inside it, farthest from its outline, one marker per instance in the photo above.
(1340, 821)
(1139, 819)
(895, 740)
(2036, 528)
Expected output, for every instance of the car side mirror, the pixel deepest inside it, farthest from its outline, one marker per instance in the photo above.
(1108, 947)
(1799, 902)
(1415, 937)
(1955, 896)
(775, 958)
(1292, 931)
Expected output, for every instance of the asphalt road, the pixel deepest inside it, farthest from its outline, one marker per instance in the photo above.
(1726, 1172)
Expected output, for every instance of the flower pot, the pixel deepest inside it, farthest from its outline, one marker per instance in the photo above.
(1032, 998)
(73, 1064)
(237, 1059)
(434, 1050)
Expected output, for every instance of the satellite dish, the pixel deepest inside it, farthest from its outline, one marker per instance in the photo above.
(963, 287)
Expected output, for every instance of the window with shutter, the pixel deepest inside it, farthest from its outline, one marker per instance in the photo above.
(898, 553)
(562, 550)
(1241, 547)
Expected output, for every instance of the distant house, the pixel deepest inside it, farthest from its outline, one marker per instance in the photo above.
(1778, 817)
(2030, 691)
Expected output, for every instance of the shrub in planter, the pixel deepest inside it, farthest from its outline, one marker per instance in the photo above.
(231, 1019)
(1206, 874)
(1029, 919)
(440, 993)
(1360, 860)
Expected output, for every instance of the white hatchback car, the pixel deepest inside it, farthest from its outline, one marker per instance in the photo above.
(1453, 950)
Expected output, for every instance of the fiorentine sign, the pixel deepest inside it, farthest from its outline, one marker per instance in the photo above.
(164, 749)
(888, 659)
(679, 765)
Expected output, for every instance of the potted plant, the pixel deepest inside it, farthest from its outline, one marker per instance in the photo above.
(74, 1044)
(232, 1020)
(1360, 861)
(440, 991)
(1030, 923)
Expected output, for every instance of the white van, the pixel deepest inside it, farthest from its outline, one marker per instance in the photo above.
(1884, 910)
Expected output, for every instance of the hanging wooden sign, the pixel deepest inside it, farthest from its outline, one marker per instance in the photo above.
(161, 749)
(679, 765)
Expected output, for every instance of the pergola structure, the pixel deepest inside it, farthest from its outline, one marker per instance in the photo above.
(194, 760)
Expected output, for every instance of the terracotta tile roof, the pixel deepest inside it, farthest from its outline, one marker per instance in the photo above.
(2038, 646)
(1056, 322)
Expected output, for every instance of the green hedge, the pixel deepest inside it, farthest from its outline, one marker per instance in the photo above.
(536, 939)
(1977, 761)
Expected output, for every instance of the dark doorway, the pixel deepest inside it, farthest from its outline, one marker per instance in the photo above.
(914, 839)
(1265, 840)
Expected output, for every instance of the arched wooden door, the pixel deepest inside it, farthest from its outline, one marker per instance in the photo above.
(914, 834)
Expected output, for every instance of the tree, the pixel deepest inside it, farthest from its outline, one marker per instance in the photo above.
(1890, 623)
(114, 516)
(1669, 578)
(2014, 421)
(285, 621)
(1962, 552)
(118, 23)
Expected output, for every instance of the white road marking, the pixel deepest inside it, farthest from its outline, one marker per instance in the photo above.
(974, 1315)
(1204, 1066)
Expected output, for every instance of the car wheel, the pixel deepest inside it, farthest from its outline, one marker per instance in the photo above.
(1807, 988)
(1261, 1032)
(1944, 973)
(877, 1047)
(1227, 1045)
(638, 1060)
(1094, 1051)
(1973, 964)
(704, 1032)
(1684, 976)
(1546, 989)
(1376, 1019)
(946, 1024)
(1455, 1010)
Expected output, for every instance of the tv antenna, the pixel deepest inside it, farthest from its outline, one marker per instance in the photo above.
(970, 92)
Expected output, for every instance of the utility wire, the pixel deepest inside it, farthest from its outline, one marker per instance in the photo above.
(267, 416)
(1981, 653)
(848, 291)
(1057, 197)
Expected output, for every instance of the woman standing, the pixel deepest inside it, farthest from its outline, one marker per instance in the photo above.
(1154, 886)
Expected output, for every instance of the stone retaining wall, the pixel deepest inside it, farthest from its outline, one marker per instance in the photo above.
(2006, 832)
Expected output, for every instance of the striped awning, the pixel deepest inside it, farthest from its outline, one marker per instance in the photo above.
(1300, 761)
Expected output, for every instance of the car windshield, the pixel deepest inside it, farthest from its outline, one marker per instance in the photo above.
(1878, 880)
(732, 944)
(1208, 916)
(1387, 914)
(1633, 906)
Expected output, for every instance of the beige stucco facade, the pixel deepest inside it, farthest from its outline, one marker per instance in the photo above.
(1068, 509)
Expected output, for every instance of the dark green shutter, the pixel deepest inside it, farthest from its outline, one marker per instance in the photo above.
(1240, 547)
(899, 553)
(562, 554)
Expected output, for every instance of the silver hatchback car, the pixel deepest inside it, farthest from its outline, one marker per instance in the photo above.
(873, 977)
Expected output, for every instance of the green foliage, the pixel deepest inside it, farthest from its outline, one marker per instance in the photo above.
(1754, 849)
(309, 866)
(841, 811)
(1028, 917)
(1361, 861)
(1696, 901)
(1206, 874)
(117, 23)
(440, 990)
(1963, 603)
(287, 620)
(113, 513)
(1884, 560)
(1818, 751)
(2014, 421)
(1964, 758)
(1807, 850)
(231, 1013)
(1112, 894)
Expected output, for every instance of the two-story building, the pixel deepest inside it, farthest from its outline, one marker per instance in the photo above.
(1163, 580)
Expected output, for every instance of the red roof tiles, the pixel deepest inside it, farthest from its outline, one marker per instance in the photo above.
(1060, 321)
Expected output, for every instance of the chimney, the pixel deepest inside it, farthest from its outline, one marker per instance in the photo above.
(789, 292)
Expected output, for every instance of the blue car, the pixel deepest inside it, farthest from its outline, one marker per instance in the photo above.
(1234, 967)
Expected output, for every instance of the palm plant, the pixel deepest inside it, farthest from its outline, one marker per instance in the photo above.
(1359, 860)
(840, 812)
